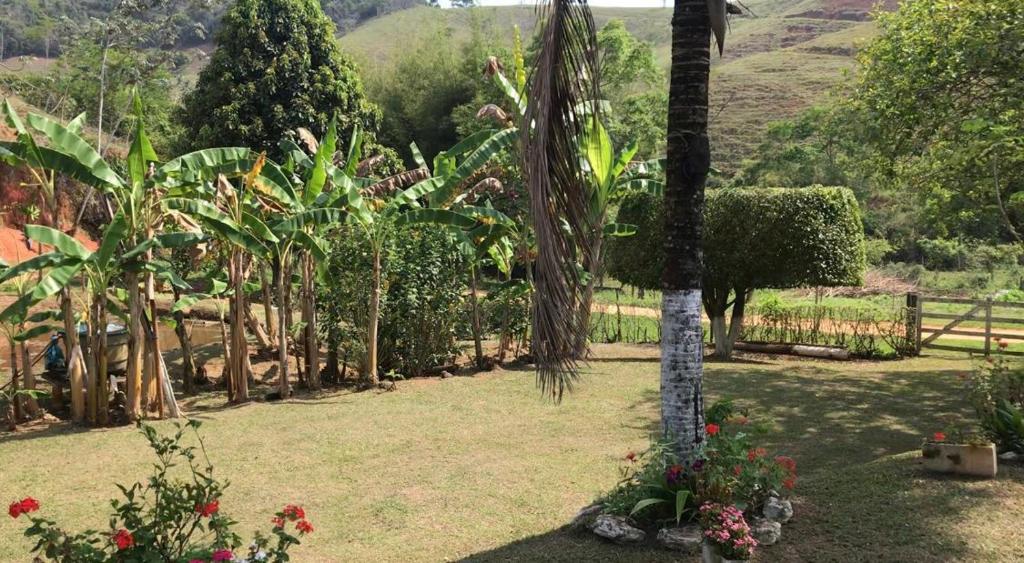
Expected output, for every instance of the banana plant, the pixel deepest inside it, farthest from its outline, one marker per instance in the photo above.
(377, 216)
(14, 323)
(226, 191)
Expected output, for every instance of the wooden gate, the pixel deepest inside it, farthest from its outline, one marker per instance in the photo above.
(970, 328)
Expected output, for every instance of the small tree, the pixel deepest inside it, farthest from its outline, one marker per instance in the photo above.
(277, 67)
(753, 239)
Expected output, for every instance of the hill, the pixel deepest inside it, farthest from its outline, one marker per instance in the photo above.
(786, 57)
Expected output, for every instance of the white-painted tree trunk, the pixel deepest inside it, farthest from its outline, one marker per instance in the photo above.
(682, 365)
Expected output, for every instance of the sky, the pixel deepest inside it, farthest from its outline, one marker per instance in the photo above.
(618, 3)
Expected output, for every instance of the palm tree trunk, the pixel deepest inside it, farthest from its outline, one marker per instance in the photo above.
(309, 316)
(688, 162)
(477, 336)
(188, 360)
(239, 346)
(102, 379)
(587, 299)
(136, 348)
(371, 330)
(282, 335)
(268, 305)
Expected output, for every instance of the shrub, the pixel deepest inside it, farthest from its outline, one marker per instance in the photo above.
(166, 519)
(996, 391)
(876, 250)
(725, 528)
(422, 298)
(943, 254)
(658, 487)
(754, 238)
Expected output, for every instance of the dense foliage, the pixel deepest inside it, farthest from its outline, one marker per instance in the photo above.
(996, 391)
(277, 67)
(754, 238)
(422, 299)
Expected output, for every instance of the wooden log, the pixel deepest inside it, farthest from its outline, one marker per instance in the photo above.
(802, 350)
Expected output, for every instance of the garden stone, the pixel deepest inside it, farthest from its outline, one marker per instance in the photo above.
(766, 532)
(778, 510)
(1010, 456)
(616, 529)
(686, 539)
(586, 516)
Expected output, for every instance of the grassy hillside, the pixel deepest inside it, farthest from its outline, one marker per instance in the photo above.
(784, 58)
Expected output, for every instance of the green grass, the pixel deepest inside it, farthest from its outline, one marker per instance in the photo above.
(480, 468)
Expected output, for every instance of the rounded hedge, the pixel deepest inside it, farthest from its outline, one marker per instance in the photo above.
(754, 238)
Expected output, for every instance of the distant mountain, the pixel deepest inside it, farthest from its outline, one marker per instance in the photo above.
(37, 27)
(786, 57)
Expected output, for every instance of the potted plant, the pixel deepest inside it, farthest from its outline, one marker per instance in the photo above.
(726, 534)
(960, 453)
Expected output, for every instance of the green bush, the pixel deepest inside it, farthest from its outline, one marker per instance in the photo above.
(423, 299)
(754, 238)
(996, 390)
(944, 254)
(876, 250)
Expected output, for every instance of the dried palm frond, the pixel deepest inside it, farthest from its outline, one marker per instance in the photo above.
(492, 111)
(366, 166)
(312, 145)
(392, 184)
(493, 66)
(563, 85)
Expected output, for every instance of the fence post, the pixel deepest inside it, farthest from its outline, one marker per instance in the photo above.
(988, 326)
(914, 321)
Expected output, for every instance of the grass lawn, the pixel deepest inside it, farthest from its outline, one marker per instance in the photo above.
(480, 468)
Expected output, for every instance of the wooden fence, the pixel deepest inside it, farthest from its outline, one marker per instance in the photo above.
(982, 311)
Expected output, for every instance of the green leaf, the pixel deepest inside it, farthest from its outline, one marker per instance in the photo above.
(653, 187)
(33, 332)
(205, 165)
(60, 241)
(66, 142)
(323, 158)
(355, 151)
(417, 156)
(141, 152)
(113, 235)
(437, 217)
(681, 497)
(33, 264)
(645, 503)
(56, 280)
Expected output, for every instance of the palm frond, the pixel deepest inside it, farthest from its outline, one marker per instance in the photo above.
(565, 79)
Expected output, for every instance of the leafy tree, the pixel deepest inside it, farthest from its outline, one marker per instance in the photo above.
(940, 93)
(277, 67)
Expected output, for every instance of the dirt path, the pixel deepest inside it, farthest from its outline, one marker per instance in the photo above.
(979, 334)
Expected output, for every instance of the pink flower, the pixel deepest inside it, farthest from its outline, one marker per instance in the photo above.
(223, 555)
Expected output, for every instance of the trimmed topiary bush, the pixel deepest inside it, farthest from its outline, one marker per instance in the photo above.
(754, 238)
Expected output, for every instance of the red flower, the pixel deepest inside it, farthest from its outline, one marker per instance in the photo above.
(223, 555)
(304, 527)
(123, 538)
(631, 457)
(756, 453)
(786, 463)
(293, 512)
(712, 429)
(29, 504)
(15, 509)
(277, 521)
(208, 509)
(939, 437)
(737, 470)
(789, 482)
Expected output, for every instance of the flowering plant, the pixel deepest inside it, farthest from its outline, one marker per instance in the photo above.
(996, 391)
(725, 528)
(166, 519)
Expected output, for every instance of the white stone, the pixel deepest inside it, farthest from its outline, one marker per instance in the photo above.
(778, 510)
(687, 539)
(616, 529)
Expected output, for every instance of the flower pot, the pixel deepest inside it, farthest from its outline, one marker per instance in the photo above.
(709, 554)
(961, 459)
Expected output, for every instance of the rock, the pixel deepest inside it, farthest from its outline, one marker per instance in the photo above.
(616, 529)
(766, 532)
(686, 539)
(586, 516)
(778, 510)
(445, 374)
(1010, 456)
